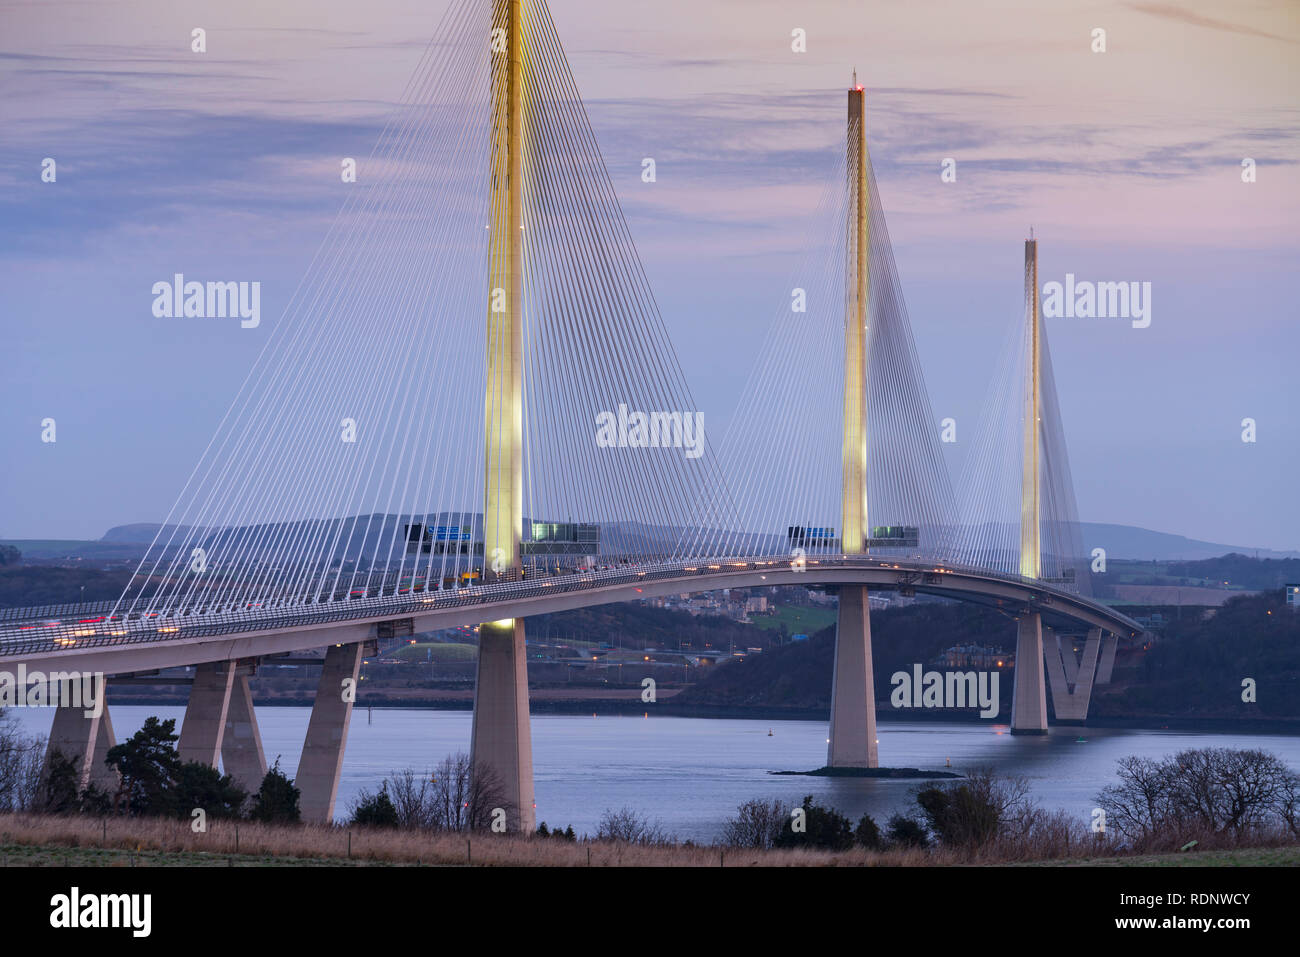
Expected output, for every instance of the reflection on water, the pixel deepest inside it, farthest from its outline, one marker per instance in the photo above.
(690, 773)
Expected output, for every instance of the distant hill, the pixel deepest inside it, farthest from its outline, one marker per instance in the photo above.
(367, 532)
(1142, 544)
(141, 533)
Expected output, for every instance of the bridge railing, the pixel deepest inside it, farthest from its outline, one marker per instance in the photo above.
(57, 611)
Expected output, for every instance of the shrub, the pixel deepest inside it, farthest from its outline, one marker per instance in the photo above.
(199, 785)
(972, 812)
(907, 832)
(867, 834)
(276, 801)
(374, 809)
(822, 827)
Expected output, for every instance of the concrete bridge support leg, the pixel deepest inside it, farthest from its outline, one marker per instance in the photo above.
(1107, 664)
(205, 715)
(1067, 658)
(1072, 705)
(853, 693)
(85, 742)
(101, 775)
(242, 756)
(327, 733)
(1029, 693)
(502, 737)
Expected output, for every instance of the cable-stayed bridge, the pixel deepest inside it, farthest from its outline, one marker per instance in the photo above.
(472, 412)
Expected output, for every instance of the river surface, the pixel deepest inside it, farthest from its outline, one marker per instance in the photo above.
(689, 774)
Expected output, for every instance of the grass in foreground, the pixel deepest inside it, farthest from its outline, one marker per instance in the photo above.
(48, 841)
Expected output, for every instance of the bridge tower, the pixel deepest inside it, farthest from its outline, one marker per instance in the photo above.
(853, 698)
(1029, 697)
(501, 738)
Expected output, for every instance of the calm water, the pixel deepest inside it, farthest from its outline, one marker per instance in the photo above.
(691, 773)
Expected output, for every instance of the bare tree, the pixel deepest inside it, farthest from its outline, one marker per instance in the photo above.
(467, 798)
(413, 797)
(1205, 791)
(628, 827)
(1250, 788)
(757, 823)
(21, 759)
(1288, 805)
(1140, 805)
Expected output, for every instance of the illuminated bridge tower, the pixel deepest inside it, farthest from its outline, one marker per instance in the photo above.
(1029, 698)
(853, 698)
(501, 738)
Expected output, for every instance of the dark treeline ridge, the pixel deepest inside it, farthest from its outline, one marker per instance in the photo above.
(634, 625)
(1197, 665)
(23, 586)
(1241, 571)
(798, 675)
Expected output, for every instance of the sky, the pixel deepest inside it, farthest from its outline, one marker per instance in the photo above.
(1127, 163)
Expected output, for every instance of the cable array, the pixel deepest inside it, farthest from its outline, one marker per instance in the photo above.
(351, 462)
(783, 450)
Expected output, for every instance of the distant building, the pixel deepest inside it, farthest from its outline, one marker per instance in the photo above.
(975, 656)
(1293, 597)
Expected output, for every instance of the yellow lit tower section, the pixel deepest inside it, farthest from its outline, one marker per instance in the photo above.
(501, 739)
(852, 741)
(1030, 550)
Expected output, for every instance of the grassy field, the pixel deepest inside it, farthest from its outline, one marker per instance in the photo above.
(39, 841)
(443, 651)
(20, 855)
(1246, 857)
(798, 619)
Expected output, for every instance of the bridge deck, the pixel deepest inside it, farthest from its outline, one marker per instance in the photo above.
(116, 642)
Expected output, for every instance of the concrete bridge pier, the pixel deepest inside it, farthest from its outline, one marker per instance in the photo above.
(242, 756)
(853, 693)
(1107, 664)
(1067, 658)
(1029, 692)
(327, 733)
(205, 715)
(502, 737)
(85, 742)
(1070, 695)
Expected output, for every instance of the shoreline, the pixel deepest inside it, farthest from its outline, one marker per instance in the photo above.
(622, 706)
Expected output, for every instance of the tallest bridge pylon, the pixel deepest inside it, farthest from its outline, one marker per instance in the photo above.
(501, 742)
(1029, 699)
(853, 701)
